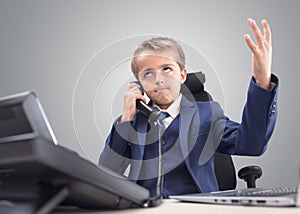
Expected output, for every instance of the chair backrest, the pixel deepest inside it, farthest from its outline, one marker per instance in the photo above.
(193, 89)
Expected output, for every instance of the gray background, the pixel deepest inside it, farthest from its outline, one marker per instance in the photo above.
(58, 48)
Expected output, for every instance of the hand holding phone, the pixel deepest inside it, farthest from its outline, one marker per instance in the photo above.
(132, 94)
(141, 105)
(133, 100)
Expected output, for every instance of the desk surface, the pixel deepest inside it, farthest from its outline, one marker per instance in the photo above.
(174, 207)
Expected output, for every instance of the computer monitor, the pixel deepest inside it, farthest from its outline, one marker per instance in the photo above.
(37, 175)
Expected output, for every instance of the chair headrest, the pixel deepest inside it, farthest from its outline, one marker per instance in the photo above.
(195, 81)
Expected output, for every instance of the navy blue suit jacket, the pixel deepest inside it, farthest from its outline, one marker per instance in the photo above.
(204, 129)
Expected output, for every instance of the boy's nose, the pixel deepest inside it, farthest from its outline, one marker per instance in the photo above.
(159, 79)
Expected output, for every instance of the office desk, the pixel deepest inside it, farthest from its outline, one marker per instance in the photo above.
(173, 207)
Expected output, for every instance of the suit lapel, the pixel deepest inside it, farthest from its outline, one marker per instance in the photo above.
(188, 137)
(188, 111)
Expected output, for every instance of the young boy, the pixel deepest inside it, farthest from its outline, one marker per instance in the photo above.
(159, 65)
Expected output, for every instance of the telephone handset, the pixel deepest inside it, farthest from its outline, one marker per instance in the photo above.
(152, 113)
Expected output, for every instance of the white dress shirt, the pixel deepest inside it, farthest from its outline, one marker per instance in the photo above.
(173, 110)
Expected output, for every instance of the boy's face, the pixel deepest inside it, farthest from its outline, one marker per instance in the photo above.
(161, 77)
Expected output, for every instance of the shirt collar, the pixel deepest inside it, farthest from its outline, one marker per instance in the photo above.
(174, 108)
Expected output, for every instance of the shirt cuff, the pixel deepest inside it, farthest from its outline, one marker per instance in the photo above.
(273, 83)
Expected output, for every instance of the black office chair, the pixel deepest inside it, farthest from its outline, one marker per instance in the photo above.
(193, 90)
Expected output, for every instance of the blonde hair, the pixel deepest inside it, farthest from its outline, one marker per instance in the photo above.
(159, 44)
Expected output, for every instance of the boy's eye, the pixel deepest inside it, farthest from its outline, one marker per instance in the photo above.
(147, 74)
(167, 69)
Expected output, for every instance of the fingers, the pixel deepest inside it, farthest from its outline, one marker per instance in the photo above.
(267, 32)
(134, 91)
(257, 32)
(250, 44)
(261, 52)
(134, 88)
(263, 39)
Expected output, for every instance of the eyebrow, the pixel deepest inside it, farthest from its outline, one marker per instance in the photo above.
(162, 66)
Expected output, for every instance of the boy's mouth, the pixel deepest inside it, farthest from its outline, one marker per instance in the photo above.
(159, 89)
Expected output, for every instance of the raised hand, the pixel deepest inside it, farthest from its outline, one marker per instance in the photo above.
(261, 53)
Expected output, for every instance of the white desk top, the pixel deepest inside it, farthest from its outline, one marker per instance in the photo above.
(174, 207)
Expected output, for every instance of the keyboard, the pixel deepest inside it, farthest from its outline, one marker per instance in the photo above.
(271, 192)
(257, 192)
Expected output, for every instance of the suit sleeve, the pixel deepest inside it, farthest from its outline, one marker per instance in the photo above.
(257, 125)
(116, 152)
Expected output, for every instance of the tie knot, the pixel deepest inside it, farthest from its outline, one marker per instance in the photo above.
(163, 115)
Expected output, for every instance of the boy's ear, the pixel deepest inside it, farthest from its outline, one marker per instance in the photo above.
(183, 75)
